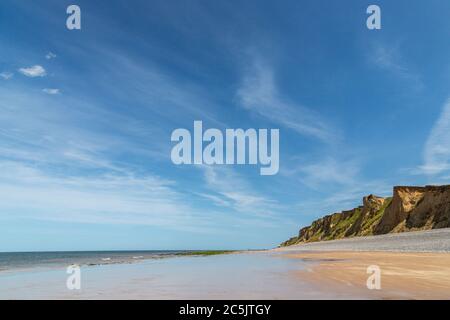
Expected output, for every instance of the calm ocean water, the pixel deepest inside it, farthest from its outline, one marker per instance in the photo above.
(25, 260)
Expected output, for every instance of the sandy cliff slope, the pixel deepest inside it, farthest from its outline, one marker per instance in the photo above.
(409, 209)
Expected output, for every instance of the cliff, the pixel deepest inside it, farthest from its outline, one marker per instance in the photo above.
(409, 209)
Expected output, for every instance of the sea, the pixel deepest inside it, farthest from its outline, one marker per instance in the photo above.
(26, 260)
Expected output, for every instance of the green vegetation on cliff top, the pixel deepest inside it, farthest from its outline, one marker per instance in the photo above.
(357, 222)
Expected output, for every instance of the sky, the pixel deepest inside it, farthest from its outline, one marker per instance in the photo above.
(86, 117)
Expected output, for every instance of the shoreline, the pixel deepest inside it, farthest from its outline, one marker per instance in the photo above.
(59, 259)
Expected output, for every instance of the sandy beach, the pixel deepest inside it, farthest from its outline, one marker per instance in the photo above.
(258, 275)
(403, 275)
(413, 265)
(322, 270)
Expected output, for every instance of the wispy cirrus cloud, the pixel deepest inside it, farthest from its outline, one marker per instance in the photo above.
(388, 58)
(50, 56)
(230, 189)
(51, 91)
(34, 71)
(56, 167)
(62, 162)
(6, 75)
(391, 59)
(156, 90)
(437, 147)
(259, 94)
(328, 170)
(53, 133)
(38, 194)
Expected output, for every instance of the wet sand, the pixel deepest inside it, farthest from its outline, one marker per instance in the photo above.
(273, 274)
(413, 265)
(403, 275)
(258, 275)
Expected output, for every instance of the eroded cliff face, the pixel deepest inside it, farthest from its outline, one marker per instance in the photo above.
(410, 208)
(416, 208)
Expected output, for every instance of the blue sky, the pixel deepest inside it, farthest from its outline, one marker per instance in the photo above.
(86, 117)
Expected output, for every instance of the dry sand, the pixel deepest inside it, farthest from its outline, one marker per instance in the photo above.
(403, 275)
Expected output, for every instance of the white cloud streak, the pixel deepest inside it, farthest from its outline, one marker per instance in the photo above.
(30, 192)
(390, 59)
(50, 56)
(327, 171)
(51, 91)
(34, 71)
(57, 163)
(232, 190)
(6, 75)
(260, 95)
(437, 147)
